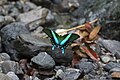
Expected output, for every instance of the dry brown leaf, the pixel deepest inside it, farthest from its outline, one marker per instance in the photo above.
(115, 75)
(94, 32)
(81, 54)
(84, 34)
(75, 59)
(92, 54)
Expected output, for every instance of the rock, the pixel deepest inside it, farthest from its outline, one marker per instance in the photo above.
(114, 70)
(11, 10)
(68, 74)
(43, 60)
(28, 46)
(9, 35)
(36, 78)
(62, 59)
(37, 31)
(28, 6)
(85, 66)
(65, 5)
(2, 2)
(56, 1)
(4, 20)
(111, 65)
(4, 77)
(14, 12)
(13, 76)
(37, 15)
(0, 45)
(13, 66)
(4, 57)
(105, 58)
(50, 18)
(44, 3)
(111, 45)
(2, 11)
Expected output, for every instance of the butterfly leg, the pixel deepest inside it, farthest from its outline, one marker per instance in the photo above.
(53, 47)
(63, 51)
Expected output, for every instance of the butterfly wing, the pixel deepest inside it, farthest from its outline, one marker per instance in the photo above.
(54, 37)
(68, 38)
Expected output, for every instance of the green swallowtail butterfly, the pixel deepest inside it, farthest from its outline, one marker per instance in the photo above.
(60, 41)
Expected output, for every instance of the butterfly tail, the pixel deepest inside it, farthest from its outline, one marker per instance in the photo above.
(63, 51)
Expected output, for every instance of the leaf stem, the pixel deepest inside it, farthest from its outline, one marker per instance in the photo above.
(74, 27)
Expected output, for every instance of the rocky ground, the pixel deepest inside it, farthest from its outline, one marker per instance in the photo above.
(25, 55)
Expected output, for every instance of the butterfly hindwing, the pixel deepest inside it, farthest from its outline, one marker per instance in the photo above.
(69, 38)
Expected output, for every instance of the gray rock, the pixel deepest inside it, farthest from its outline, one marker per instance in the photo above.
(13, 66)
(37, 31)
(0, 45)
(43, 60)
(30, 6)
(28, 46)
(14, 12)
(105, 58)
(65, 5)
(111, 45)
(36, 78)
(85, 66)
(56, 1)
(111, 65)
(63, 59)
(37, 15)
(4, 77)
(3, 2)
(114, 70)
(4, 20)
(9, 35)
(4, 57)
(50, 18)
(68, 74)
(2, 11)
(13, 76)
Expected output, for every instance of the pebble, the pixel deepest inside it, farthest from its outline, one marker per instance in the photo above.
(105, 58)
(13, 66)
(4, 77)
(13, 76)
(4, 57)
(43, 60)
(111, 65)
(85, 66)
(37, 15)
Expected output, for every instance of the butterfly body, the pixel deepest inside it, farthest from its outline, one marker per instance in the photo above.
(60, 41)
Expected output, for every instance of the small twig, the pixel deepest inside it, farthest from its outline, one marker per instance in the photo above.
(74, 27)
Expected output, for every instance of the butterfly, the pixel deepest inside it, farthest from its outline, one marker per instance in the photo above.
(60, 41)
